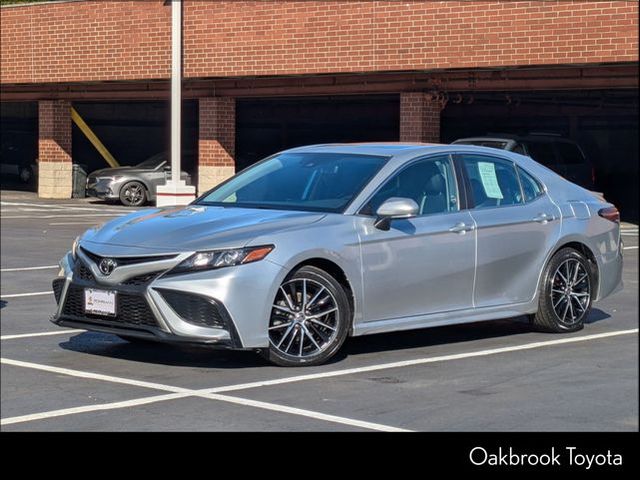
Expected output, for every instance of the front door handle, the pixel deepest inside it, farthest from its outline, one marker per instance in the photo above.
(461, 227)
(543, 218)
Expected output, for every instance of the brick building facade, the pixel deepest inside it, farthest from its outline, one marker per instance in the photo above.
(68, 51)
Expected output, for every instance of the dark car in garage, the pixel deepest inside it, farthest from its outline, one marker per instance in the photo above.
(560, 154)
(134, 185)
(18, 156)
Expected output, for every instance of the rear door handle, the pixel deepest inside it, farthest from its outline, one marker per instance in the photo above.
(543, 218)
(461, 228)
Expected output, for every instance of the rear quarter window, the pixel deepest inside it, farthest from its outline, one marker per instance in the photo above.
(531, 188)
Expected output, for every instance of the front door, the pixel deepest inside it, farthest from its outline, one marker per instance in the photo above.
(423, 264)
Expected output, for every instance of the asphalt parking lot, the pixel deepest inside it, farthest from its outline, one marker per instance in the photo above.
(491, 376)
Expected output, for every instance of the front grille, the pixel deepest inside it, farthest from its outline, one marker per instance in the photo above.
(195, 309)
(141, 279)
(131, 310)
(83, 272)
(127, 260)
(58, 284)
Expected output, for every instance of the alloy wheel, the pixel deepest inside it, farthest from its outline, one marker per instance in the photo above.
(134, 194)
(304, 318)
(570, 291)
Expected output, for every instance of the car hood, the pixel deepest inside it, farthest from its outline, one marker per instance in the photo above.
(190, 228)
(110, 172)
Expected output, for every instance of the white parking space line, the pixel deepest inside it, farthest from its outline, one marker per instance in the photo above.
(178, 392)
(40, 206)
(79, 215)
(26, 269)
(94, 376)
(212, 393)
(86, 222)
(423, 361)
(33, 294)
(634, 247)
(91, 408)
(301, 412)
(39, 334)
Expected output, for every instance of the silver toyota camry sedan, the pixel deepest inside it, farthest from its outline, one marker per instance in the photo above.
(314, 244)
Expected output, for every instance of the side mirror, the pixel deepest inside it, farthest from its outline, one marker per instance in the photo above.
(392, 208)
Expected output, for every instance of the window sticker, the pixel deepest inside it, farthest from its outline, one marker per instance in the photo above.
(489, 180)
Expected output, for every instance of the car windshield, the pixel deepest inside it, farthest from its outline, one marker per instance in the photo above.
(484, 143)
(319, 182)
(153, 162)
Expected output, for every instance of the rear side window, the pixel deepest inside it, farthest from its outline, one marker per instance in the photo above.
(531, 188)
(570, 153)
(494, 182)
(542, 152)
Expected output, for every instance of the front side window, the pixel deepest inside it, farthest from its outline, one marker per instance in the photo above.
(531, 188)
(429, 182)
(155, 161)
(318, 182)
(493, 181)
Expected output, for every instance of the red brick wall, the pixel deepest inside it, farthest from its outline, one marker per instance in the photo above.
(217, 138)
(419, 118)
(54, 137)
(112, 40)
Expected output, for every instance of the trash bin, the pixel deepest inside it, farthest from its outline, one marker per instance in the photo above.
(79, 181)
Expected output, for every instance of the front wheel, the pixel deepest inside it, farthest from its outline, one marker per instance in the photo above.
(309, 319)
(565, 293)
(133, 194)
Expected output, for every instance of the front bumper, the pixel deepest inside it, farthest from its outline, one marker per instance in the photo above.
(105, 189)
(237, 298)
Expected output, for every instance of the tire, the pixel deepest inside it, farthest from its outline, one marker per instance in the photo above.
(563, 306)
(25, 174)
(321, 334)
(133, 194)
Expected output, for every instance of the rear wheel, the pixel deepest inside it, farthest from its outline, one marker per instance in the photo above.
(565, 294)
(133, 194)
(309, 319)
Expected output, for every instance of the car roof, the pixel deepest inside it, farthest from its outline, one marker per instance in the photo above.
(387, 149)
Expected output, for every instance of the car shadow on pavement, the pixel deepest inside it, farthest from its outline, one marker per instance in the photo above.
(196, 356)
(106, 345)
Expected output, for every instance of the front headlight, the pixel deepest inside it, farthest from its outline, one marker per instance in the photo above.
(222, 258)
(114, 178)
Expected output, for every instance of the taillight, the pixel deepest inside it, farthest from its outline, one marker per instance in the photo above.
(610, 213)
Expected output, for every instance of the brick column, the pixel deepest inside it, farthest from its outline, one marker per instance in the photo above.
(217, 141)
(419, 118)
(54, 149)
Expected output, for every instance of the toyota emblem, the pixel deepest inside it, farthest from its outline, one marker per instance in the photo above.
(107, 265)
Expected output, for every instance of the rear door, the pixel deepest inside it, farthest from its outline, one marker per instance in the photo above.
(516, 227)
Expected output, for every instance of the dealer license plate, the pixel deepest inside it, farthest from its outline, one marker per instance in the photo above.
(100, 302)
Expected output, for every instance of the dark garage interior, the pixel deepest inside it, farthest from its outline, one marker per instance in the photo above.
(603, 122)
(267, 125)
